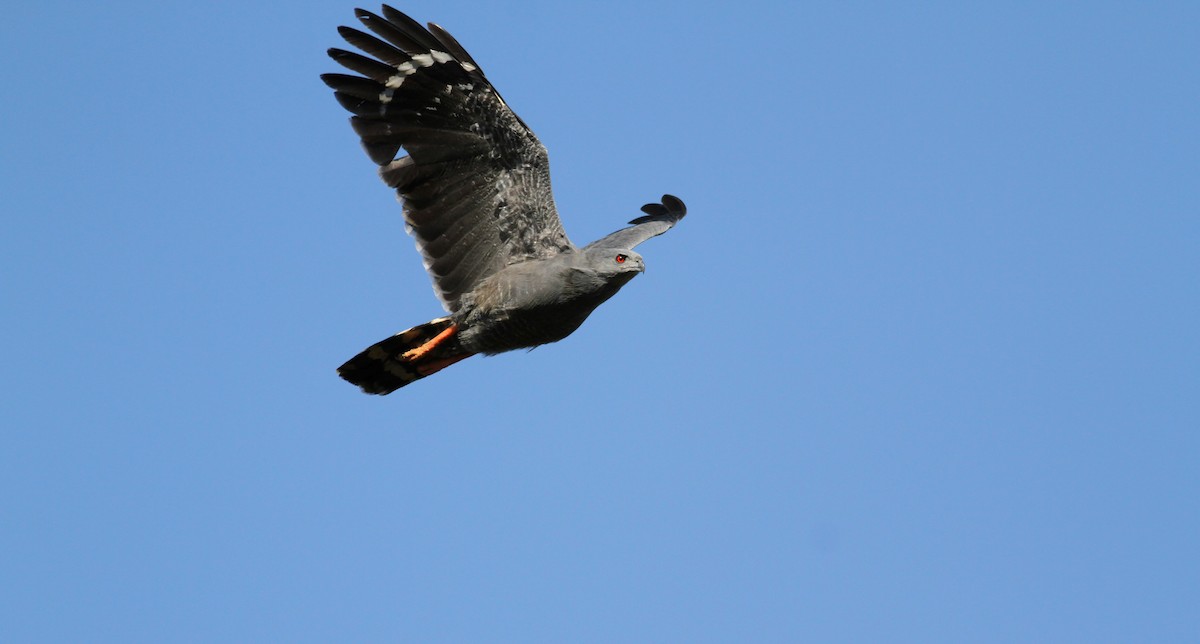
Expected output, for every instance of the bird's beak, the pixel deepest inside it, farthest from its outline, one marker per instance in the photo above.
(641, 266)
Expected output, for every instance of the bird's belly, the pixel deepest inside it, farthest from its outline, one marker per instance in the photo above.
(521, 329)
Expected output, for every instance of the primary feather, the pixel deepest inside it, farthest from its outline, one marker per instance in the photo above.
(476, 181)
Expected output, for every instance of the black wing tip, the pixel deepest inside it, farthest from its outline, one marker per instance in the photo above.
(337, 80)
(338, 54)
(672, 207)
(674, 204)
(400, 31)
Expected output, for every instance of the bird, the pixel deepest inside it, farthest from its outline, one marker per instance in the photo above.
(474, 183)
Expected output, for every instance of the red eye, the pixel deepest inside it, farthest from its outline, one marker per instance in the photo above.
(621, 259)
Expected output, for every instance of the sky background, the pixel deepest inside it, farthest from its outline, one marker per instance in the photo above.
(921, 365)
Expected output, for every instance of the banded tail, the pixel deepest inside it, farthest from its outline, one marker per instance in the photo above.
(405, 357)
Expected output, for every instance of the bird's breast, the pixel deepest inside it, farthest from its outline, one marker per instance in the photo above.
(523, 328)
(497, 331)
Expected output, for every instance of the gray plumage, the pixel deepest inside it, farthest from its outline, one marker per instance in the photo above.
(475, 186)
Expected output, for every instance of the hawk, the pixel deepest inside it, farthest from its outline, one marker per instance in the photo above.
(474, 182)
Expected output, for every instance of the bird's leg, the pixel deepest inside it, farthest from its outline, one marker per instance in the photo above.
(414, 354)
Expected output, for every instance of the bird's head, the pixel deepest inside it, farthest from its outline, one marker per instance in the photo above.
(613, 263)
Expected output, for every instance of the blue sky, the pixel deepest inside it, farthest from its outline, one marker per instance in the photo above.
(920, 365)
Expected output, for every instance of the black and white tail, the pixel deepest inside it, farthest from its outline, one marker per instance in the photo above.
(405, 357)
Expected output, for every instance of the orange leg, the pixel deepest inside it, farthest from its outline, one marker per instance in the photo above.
(413, 354)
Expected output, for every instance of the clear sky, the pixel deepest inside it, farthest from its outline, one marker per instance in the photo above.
(921, 365)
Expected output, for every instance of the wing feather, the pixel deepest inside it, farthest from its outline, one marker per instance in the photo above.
(373, 46)
(659, 218)
(451, 44)
(402, 36)
(368, 67)
(474, 179)
(412, 28)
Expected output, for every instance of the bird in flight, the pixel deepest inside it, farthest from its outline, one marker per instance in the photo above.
(474, 182)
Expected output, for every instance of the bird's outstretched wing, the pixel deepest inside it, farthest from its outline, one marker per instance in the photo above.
(659, 218)
(475, 181)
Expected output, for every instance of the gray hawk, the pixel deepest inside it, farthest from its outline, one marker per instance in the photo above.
(475, 186)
